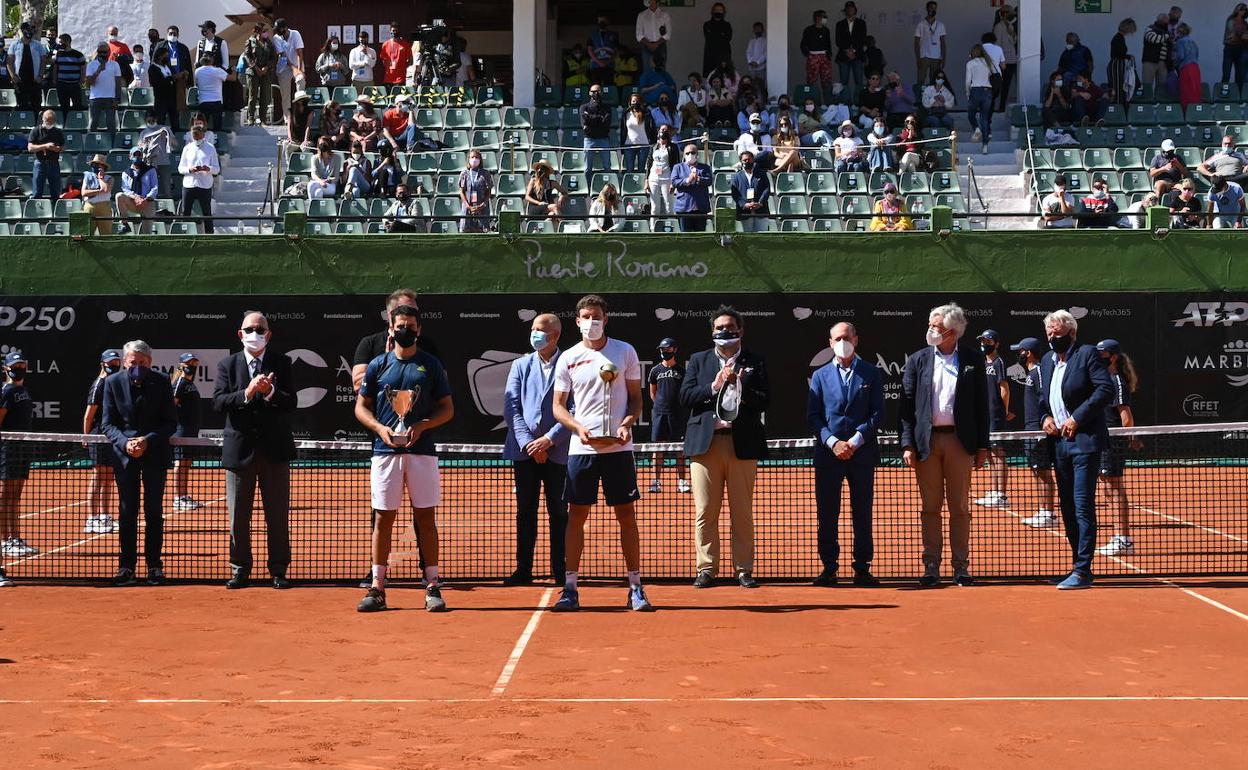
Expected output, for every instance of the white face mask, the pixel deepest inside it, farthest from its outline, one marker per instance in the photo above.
(172, 38)
(843, 349)
(934, 337)
(591, 328)
(254, 342)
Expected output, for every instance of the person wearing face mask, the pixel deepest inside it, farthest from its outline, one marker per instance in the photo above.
(654, 29)
(259, 58)
(156, 142)
(331, 65)
(362, 60)
(726, 393)
(851, 47)
(1075, 60)
(944, 435)
(980, 69)
(357, 173)
(198, 166)
(179, 63)
(1056, 108)
(537, 446)
(890, 211)
(605, 211)
(1075, 391)
(786, 147)
(1121, 62)
(100, 520)
(1187, 63)
(406, 213)
(810, 128)
(103, 76)
(754, 139)
(626, 67)
(27, 60)
(1186, 208)
(658, 87)
(186, 403)
(844, 410)
(879, 156)
(1229, 163)
(816, 46)
(1005, 36)
(664, 157)
(1156, 53)
(395, 57)
(1039, 452)
(1100, 211)
(575, 66)
(365, 127)
(999, 416)
(1226, 206)
(46, 141)
(164, 90)
(1058, 206)
(210, 80)
(871, 102)
(255, 390)
(212, 46)
(17, 413)
(139, 187)
(140, 77)
(667, 415)
(1088, 102)
(601, 445)
(476, 190)
(1167, 168)
(602, 46)
(388, 173)
(596, 119)
(848, 150)
(1235, 45)
(637, 132)
(898, 101)
(544, 197)
(938, 100)
(662, 113)
(138, 419)
(930, 51)
(69, 68)
(751, 192)
(756, 53)
(717, 38)
(691, 180)
(97, 195)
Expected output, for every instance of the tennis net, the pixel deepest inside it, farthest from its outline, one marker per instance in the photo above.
(1183, 488)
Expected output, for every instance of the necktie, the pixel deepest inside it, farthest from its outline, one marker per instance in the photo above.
(255, 367)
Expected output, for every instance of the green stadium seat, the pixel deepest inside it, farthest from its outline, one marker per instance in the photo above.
(570, 117)
(1191, 157)
(25, 164)
(818, 182)
(1033, 138)
(1134, 181)
(1067, 158)
(802, 92)
(22, 120)
(349, 228)
(492, 96)
(64, 207)
(1092, 136)
(1144, 94)
(920, 205)
(601, 178)
(446, 207)
(133, 120)
(1115, 115)
(457, 117)
(8, 98)
(453, 162)
(1097, 159)
(446, 184)
(792, 206)
(794, 226)
(1110, 178)
(724, 202)
(1041, 181)
(550, 156)
(486, 138)
(824, 206)
(455, 139)
(1078, 182)
(878, 179)
(818, 159)
(517, 117)
(184, 228)
(1140, 114)
(634, 183)
(1148, 136)
(422, 162)
(914, 182)
(955, 202)
(354, 208)
(828, 226)
(286, 205)
(1038, 160)
(576, 206)
(1170, 114)
(572, 160)
(1128, 158)
(98, 142)
(635, 226)
(56, 228)
(664, 226)
(322, 208)
(855, 204)
(10, 209)
(428, 118)
(344, 94)
(1022, 115)
(848, 182)
(37, 208)
(1201, 113)
(513, 161)
(300, 162)
(721, 183)
(575, 183)
(575, 96)
(539, 227)
(27, 228)
(789, 182)
(77, 120)
(318, 228)
(944, 181)
(318, 96)
(1206, 134)
(1226, 92)
(142, 98)
(724, 160)
(487, 117)
(192, 97)
(1239, 132)
(546, 117)
(545, 137)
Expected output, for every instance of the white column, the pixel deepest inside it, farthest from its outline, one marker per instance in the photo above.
(1030, 77)
(528, 33)
(777, 47)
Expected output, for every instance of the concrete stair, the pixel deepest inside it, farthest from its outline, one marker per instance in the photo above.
(241, 187)
(1000, 185)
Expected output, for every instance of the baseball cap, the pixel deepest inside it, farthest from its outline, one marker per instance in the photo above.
(112, 354)
(755, 116)
(667, 342)
(210, 24)
(890, 187)
(1030, 344)
(989, 334)
(186, 358)
(15, 357)
(1109, 346)
(1167, 145)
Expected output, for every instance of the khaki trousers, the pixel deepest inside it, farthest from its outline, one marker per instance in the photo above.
(710, 473)
(945, 476)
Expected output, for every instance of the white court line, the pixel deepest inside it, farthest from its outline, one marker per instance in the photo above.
(54, 510)
(711, 699)
(1184, 522)
(513, 660)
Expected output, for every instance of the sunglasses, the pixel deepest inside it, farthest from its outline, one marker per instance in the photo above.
(256, 329)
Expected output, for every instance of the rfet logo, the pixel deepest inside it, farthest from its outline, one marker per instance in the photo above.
(1213, 313)
(1196, 405)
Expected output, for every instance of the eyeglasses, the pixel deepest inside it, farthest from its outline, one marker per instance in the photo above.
(256, 329)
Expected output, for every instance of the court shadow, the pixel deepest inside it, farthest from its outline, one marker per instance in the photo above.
(6, 660)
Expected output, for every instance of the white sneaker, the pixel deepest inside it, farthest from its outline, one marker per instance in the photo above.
(976, 136)
(108, 524)
(1042, 520)
(186, 503)
(1117, 546)
(92, 527)
(683, 487)
(15, 546)
(5, 582)
(993, 500)
(655, 486)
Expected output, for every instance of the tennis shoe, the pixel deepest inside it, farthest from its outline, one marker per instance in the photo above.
(15, 546)
(156, 577)
(5, 582)
(569, 601)
(92, 527)
(655, 487)
(1117, 546)
(108, 524)
(637, 600)
(1044, 519)
(976, 135)
(373, 601)
(186, 503)
(1075, 582)
(433, 599)
(683, 487)
(993, 500)
(123, 577)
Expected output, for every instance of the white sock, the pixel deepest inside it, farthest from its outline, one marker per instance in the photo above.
(379, 575)
(569, 580)
(431, 574)
(634, 578)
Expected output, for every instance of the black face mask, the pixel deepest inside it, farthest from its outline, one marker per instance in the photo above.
(113, 368)
(1022, 359)
(667, 355)
(404, 337)
(602, 25)
(17, 373)
(986, 349)
(189, 371)
(717, 16)
(1060, 344)
(748, 166)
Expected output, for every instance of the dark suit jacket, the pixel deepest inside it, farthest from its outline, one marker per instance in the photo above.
(1087, 389)
(749, 440)
(147, 411)
(970, 403)
(830, 414)
(262, 425)
(856, 40)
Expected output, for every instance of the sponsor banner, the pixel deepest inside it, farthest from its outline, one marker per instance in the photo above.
(1190, 351)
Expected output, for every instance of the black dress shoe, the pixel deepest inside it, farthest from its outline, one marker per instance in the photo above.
(865, 579)
(963, 578)
(123, 577)
(746, 579)
(704, 580)
(826, 579)
(241, 579)
(156, 577)
(930, 579)
(280, 582)
(518, 578)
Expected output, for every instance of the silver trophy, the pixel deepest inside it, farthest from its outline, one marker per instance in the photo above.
(606, 435)
(402, 402)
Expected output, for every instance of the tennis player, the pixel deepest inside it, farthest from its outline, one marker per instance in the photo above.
(17, 413)
(99, 493)
(601, 448)
(404, 397)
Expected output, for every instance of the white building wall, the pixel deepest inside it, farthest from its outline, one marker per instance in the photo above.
(86, 20)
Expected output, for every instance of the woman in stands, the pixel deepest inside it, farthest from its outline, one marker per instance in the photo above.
(938, 100)
(334, 127)
(1113, 460)
(365, 124)
(605, 211)
(637, 133)
(388, 173)
(476, 190)
(299, 121)
(663, 158)
(331, 65)
(891, 215)
(1187, 62)
(1235, 45)
(1120, 63)
(908, 158)
(786, 146)
(326, 170)
(1056, 109)
(543, 196)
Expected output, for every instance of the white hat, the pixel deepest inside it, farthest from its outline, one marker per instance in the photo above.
(1167, 145)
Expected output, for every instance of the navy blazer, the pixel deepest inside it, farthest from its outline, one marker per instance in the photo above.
(742, 183)
(147, 411)
(970, 403)
(264, 423)
(830, 414)
(1087, 389)
(749, 441)
(528, 410)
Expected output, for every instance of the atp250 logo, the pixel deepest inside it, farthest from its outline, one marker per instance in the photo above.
(37, 319)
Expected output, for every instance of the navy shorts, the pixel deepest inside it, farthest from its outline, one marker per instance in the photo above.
(667, 427)
(617, 472)
(101, 455)
(1039, 453)
(1114, 458)
(15, 461)
(185, 452)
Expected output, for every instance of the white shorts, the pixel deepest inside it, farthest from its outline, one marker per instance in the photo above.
(391, 472)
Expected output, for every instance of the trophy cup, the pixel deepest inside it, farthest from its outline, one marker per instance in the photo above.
(401, 401)
(606, 433)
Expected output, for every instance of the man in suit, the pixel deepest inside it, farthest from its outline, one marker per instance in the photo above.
(944, 433)
(139, 417)
(1072, 411)
(725, 392)
(843, 411)
(537, 446)
(751, 190)
(256, 392)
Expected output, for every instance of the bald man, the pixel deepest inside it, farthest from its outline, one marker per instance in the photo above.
(537, 445)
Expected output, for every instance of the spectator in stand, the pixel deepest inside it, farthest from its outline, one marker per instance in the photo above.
(158, 143)
(186, 402)
(405, 214)
(139, 69)
(1089, 102)
(198, 166)
(938, 100)
(476, 190)
(787, 147)
(879, 157)
(1172, 21)
(783, 109)
(930, 51)
(201, 120)
(118, 51)
(605, 211)
(996, 55)
(871, 102)
(1226, 200)
(1235, 45)
(748, 89)
(756, 53)
(654, 29)
(139, 187)
(1186, 211)
(1058, 207)
(663, 113)
(751, 192)
(292, 46)
(365, 126)
(848, 147)
(692, 182)
(104, 79)
(979, 71)
(626, 67)
(754, 139)
(1100, 210)
(1056, 109)
(97, 196)
(259, 59)
(717, 37)
(695, 94)
(749, 109)
(69, 69)
(816, 46)
(1187, 62)
(334, 126)
(602, 45)
(331, 65)
(212, 46)
(657, 85)
(851, 48)
(898, 101)
(362, 61)
(907, 150)
(326, 171)
(721, 105)
(181, 65)
(575, 67)
(357, 173)
(1136, 212)
(596, 119)
(46, 141)
(1075, 60)
(1121, 62)
(1005, 35)
(164, 90)
(891, 215)
(809, 128)
(1226, 164)
(875, 59)
(663, 158)
(1167, 169)
(299, 121)
(28, 58)
(1156, 54)
(544, 198)
(387, 173)
(637, 133)
(210, 80)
